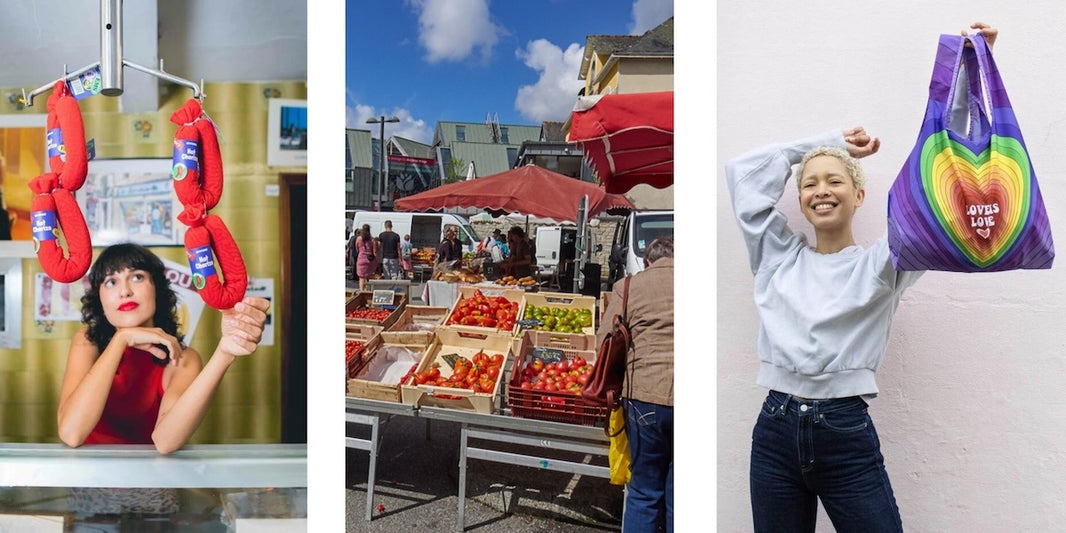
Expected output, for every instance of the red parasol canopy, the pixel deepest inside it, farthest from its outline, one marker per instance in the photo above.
(629, 138)
(529, 190)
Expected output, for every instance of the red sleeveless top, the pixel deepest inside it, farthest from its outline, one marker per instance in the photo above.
(133, 404)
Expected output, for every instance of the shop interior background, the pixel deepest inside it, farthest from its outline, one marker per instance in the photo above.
(247, 53)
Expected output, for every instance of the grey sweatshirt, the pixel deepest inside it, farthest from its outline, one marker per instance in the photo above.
(825, 318)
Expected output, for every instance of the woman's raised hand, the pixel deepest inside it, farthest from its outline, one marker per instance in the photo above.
(152, 340)
(242, 326)
(987, 31)
(859, 143)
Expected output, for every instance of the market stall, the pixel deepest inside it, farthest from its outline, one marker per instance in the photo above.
(515, 381)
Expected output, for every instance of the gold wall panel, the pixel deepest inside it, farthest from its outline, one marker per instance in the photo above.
(247, 406)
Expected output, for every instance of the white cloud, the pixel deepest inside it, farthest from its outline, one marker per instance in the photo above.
(450, 30)
(408, 127)
(554, 94)
(648, 14)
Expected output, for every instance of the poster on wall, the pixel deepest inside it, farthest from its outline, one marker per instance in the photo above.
(264, 288)
(190, 305)
(131, 200)
(58, 301)
(287, 133)
(22, 158)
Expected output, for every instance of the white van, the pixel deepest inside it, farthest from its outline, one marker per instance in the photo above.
(425, 229)
(631, 237)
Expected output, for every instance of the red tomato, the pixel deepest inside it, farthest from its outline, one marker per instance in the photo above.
(468, 321)
(561, 366)
(583, 379)
(496, 359)
(537, 364)
(550, 387)
(526, 385)
(493, 372)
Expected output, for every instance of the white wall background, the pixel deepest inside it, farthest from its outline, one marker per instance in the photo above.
(972, 410)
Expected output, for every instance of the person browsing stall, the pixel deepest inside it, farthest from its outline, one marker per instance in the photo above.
(388, 247)
(649, 388)
(129, 378)
(366, 263)
(449, 249)
(825, 311)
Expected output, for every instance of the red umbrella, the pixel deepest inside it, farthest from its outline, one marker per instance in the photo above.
(628, 138)
(529, 190)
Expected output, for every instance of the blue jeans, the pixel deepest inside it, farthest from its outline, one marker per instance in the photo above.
(391, 268)
(805, 450)
(649, 503)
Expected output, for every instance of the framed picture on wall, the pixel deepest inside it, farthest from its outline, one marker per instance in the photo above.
(22, 158)
(131, 200)
(287, 133)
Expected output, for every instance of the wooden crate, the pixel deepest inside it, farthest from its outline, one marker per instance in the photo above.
(420, 318)
(365, 300)
(562, 300)
(366, 382)
(466, 342)
(366, 334)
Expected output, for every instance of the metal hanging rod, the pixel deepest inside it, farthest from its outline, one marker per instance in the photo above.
(111, 61)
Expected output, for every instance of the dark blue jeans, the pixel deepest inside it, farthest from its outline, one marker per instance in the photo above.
(802, 451)
(649, 503)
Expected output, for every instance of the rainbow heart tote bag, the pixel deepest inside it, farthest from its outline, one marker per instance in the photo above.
(968, 201)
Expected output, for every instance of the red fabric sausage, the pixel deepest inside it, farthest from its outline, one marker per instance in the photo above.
(67, 154)
(53, 211)
(197, 167)
(212, 251)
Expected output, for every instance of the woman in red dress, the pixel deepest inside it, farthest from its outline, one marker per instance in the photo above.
(129, 378)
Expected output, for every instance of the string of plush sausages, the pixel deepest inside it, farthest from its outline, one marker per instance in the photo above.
(53, 209)
(197, 173)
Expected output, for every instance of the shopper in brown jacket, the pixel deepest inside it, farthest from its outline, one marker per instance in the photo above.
(649, 388)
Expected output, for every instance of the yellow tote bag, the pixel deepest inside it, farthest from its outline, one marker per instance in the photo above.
(618, 455)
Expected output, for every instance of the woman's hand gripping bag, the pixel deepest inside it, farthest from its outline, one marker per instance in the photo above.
(968, 201)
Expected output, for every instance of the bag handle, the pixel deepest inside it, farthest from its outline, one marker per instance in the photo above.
(952, 57)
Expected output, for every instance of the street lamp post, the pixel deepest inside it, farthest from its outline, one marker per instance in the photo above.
(381, 156)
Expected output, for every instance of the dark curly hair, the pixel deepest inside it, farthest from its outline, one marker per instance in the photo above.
(116, 259)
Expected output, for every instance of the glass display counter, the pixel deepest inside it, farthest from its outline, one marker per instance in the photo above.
(51, 487)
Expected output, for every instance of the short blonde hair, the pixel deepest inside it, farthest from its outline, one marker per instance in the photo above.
(850, 164)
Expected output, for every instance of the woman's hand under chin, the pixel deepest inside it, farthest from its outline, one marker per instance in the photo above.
(242, 326)
(152, 340)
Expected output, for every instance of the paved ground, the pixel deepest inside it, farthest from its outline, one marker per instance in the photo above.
(418, 486)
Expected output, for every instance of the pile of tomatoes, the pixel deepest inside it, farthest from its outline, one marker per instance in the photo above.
(378, 315)
(566, 375)
(478, 374)
(485, 311)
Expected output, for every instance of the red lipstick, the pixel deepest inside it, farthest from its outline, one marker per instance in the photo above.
(128, 306)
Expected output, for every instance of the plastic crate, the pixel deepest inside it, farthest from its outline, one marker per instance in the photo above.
(557, 406)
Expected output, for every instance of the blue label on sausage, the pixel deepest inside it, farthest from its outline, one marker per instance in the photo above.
(202, 263)
(54, 141)
(186, 156)
(44, 225)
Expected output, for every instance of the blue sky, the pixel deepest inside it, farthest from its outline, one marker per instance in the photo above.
(459, 60)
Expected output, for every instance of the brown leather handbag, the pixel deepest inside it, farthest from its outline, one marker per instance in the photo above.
(604, 387)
